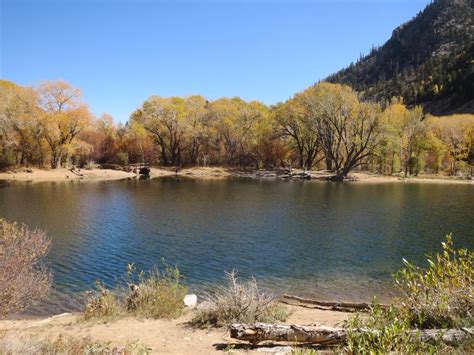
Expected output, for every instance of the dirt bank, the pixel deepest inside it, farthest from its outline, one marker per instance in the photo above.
(162, 336)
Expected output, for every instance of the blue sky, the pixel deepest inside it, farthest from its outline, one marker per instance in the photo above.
(121, 52)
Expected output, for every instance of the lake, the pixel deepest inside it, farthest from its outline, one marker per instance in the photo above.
(317, 239)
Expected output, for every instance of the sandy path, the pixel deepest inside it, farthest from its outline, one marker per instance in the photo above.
(59, 175)
(162, 336)
(41, 175)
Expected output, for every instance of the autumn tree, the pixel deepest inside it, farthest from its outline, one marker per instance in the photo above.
(413, 143)
(65, 116)
(20, 125)
(389, 152)
(197, 129)
(295, 122)
(174, 123)
(348, 129)
(136, 145)
(237, 125)
(456, 133)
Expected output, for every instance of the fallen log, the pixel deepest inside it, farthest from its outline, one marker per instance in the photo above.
(255, 333)
(448, 336)
(323, 335)
(331, 306)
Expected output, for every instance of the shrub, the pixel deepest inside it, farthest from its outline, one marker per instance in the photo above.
(384, 331)
(103, 304)
(239, 303)
(23, 278)
(440, 296)
(158, 294)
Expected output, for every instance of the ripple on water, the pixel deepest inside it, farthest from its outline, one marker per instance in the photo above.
(332, 241)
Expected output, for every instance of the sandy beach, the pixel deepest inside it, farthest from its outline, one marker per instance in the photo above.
(207, 173)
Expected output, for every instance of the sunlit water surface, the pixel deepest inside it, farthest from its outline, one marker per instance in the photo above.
(325, 240)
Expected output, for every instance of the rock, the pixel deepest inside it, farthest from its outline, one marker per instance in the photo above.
(190, 301)
(277, 350)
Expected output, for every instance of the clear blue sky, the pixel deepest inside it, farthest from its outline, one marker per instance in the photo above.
(121, 52)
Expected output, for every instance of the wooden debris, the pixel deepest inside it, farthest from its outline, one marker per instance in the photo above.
(258, 332)
(448, 336)
(330, 306)
(255, 333)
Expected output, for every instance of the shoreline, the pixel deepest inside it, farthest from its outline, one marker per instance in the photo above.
(209, 173)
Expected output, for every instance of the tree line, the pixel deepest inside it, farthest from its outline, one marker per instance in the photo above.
(326, 126)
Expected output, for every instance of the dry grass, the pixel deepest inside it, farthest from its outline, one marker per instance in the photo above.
(156, 294)
(23, 279)
(17, 344)
(105, 304)
(239, 303)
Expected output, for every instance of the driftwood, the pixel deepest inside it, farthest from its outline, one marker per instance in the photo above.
(76, 172)
(448, 336)
(255, 333)
(330, 306)
(258, 332)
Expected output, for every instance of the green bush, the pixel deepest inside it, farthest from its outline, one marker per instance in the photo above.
(440, 296)
(383, 331)
(239, 303)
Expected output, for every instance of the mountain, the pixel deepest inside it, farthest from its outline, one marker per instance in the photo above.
(428, 61)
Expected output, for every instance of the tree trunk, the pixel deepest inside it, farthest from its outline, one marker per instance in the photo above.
(55, 159)
(328, 164)
(392, 166)
(301, 157)
(258, 332)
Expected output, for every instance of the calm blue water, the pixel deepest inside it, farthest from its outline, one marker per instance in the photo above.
(326, 240)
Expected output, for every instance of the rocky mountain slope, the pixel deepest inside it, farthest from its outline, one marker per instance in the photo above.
(428, 61)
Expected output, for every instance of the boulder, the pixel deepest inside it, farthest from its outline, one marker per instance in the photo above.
(190, 301)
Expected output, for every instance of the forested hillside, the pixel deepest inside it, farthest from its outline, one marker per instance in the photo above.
(427, 61)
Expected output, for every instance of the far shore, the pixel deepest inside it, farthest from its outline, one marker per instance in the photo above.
(33, 175)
